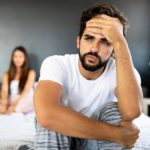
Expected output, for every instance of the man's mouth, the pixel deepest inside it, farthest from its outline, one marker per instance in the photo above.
(91, 58)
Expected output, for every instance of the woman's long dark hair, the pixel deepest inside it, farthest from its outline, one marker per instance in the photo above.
(24, 69)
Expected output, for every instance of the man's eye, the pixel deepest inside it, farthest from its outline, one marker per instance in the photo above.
(88, 38)
(105, 43)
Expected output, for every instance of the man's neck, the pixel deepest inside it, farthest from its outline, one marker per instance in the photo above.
(89, 75)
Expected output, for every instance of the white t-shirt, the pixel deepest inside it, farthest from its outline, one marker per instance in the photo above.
(80, 94)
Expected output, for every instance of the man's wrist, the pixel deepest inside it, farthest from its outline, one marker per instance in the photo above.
(114, 134)
(111, 133)
(120, 45)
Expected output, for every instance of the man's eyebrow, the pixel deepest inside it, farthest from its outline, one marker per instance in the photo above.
(88, 36)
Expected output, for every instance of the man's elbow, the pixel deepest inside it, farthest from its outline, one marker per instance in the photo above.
(45, 121)
(131, 115)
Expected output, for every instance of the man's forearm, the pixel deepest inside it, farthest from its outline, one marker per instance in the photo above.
(128, 91)
(68, 122)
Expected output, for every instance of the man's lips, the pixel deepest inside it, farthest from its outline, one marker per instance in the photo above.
(91, 57)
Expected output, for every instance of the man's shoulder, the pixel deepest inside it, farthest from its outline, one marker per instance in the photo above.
(60, 58)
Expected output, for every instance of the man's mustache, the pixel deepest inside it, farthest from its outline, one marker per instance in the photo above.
(92, 53)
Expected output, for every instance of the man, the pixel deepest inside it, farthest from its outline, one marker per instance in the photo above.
(76, 94)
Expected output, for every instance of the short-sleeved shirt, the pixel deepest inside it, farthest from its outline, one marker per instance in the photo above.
(80, 94)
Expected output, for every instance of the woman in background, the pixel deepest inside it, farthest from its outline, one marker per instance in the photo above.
(17, 84)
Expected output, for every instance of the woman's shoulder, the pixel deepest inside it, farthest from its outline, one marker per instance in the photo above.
(5, 77)
(5, 74)
(32, 72)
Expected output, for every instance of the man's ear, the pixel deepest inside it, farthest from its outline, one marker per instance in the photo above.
(78, 42)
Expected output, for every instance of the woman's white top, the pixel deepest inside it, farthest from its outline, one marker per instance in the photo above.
(14, 90)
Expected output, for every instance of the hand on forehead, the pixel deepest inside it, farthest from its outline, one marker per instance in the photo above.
(103, 20)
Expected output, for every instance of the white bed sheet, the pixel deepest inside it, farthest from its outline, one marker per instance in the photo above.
(143, 123)
(18, 129)
(15, 130)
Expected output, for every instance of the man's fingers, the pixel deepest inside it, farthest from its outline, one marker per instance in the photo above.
(97, 27)
(109, 19)
(111, 26)
(104, 20)
(95, 30)
(99, 21)
(106, 17)
(97, 24)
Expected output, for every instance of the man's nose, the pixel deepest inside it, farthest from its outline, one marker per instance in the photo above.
(95, 47)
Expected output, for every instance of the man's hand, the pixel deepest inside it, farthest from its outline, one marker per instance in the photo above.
(128, 134)
(109, 27)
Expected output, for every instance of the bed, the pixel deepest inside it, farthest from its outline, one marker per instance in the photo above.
(143, 143)
(15, 130)
(18, 129)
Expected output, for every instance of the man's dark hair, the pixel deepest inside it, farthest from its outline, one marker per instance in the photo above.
(98, 9)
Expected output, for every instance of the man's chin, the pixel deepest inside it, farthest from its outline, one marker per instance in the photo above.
(91, 68)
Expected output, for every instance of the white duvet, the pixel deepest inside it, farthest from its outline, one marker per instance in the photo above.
(15, 130)
(18, 129)
(143, 123)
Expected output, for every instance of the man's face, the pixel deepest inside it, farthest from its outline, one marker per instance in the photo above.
(94, 50)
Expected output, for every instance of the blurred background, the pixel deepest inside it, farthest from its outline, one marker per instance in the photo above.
(48, 27)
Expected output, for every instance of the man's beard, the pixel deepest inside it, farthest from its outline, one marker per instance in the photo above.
(89, 67)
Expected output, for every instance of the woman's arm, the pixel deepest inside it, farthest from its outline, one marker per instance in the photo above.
(4, 93)
(20, 104)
